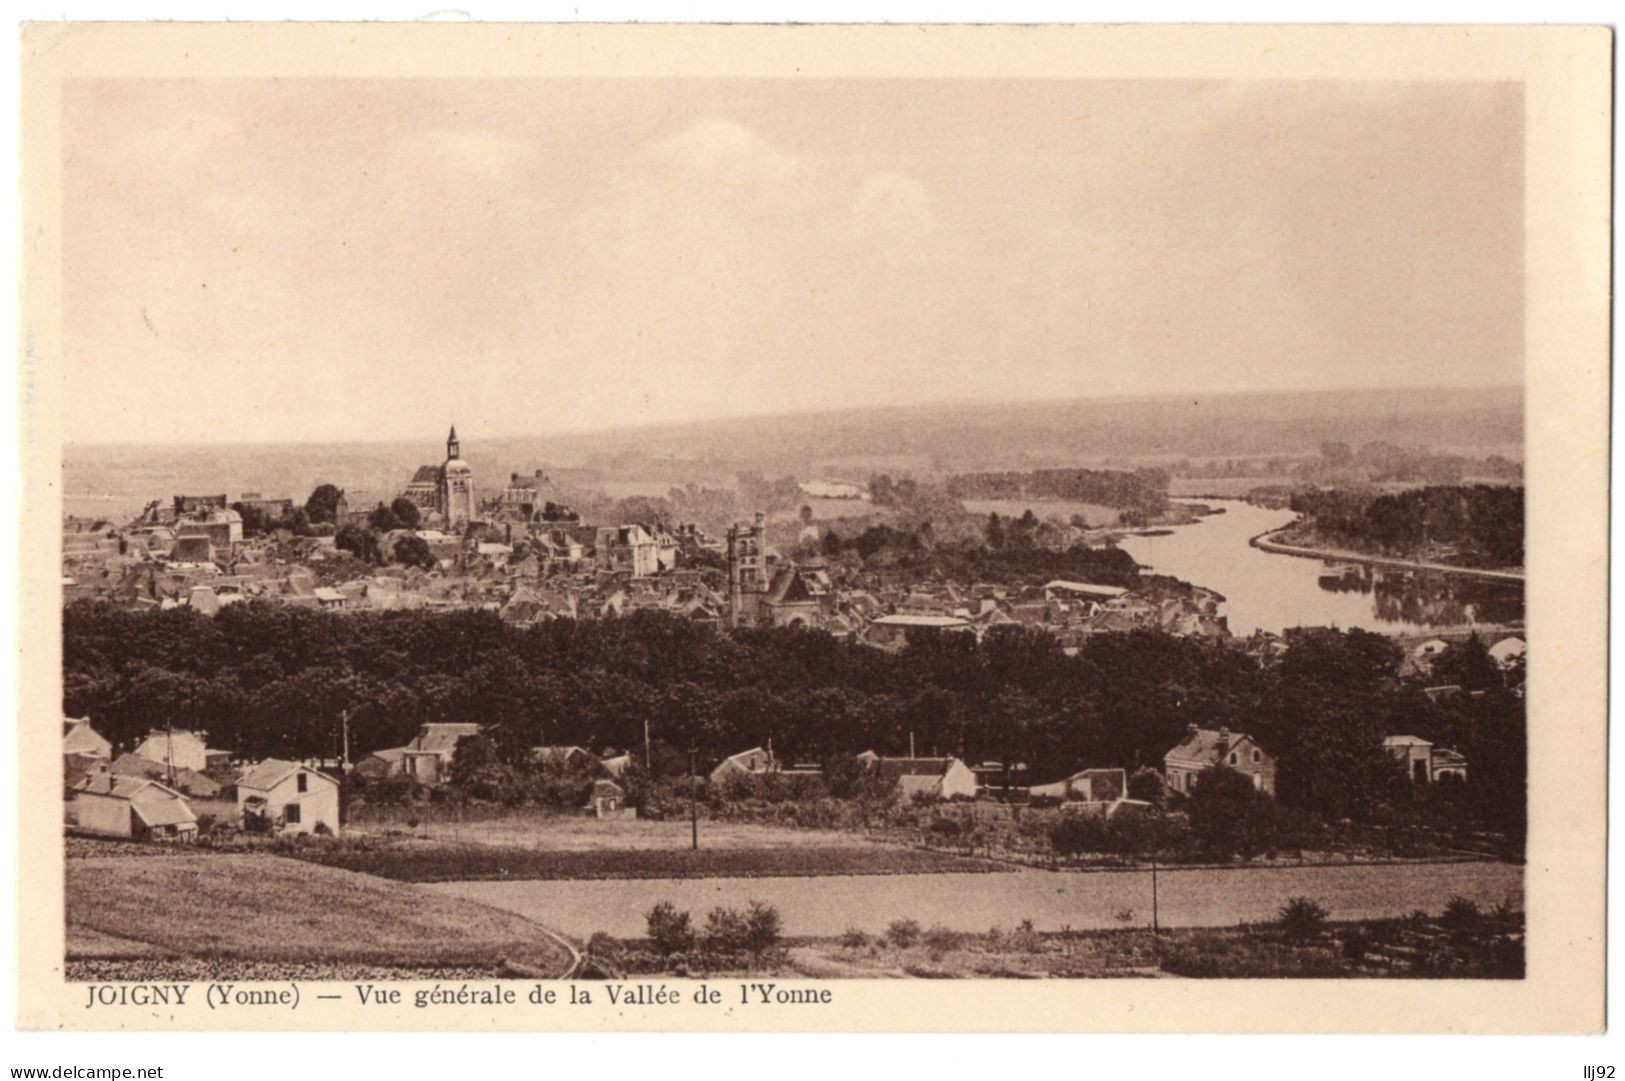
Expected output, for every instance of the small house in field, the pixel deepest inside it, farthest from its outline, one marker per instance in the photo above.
(426, 760)
(79, 738)
(181, 749)
(277, 796)
(380, 764)
(607, 799)
(926, 778)
(1087, 786)
(751, 763)
(1203, 749)
(132, 808)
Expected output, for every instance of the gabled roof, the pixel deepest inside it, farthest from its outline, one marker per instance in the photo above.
(273, 771)
(1204, 745)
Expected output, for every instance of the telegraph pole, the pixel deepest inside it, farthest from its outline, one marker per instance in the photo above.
(693, 802)
(648, 752)
(1155, 929)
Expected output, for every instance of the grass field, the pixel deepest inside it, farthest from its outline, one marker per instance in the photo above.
(419, 861)
(262, 908)
(550, 831)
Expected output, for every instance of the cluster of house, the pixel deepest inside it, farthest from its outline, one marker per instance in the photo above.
(149, 793)
(155, 791)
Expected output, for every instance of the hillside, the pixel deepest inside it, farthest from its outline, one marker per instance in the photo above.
(267, 910)
(956, 437)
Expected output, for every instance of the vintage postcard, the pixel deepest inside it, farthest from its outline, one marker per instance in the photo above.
(890, 528)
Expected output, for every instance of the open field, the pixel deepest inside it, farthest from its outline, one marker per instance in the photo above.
(267, 912)
(827, 906)
(543, 830)
(430, 861)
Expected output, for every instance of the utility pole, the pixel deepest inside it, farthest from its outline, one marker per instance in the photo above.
(1156, 930)
(648, 753)
(169, 748)
(344, 767)
(693, 801)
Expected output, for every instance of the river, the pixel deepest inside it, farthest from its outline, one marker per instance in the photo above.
(1265, 591)
(827, 906)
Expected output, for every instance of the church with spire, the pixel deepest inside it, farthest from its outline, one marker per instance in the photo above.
(446, 489)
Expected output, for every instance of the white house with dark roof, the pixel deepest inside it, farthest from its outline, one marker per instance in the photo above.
(1203, 749)
(928, 778)
(134, 808)
(427, 759)
(287, 797)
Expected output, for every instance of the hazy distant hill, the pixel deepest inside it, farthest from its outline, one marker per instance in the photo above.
(951, 437)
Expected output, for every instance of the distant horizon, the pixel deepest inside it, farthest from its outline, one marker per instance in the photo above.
(464, 436)
(250, 260)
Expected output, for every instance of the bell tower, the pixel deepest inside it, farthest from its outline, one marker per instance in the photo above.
(452, 446)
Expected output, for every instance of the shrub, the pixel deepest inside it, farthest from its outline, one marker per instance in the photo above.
(1356, 944)
(322, 830)
(1026, 938)
(903, 933)
(940, 939)
(726, 930)
(1460, 914)
(947, 827)
(1302, 917)
(1078, 833)
(670, 931)
(602, 945)
(854, 939)
(762, 927)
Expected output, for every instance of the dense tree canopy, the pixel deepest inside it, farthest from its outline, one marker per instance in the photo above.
(1483, 521)
(273, 680)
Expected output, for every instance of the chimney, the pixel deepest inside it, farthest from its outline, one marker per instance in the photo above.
(1224, 739)
(1191, 730)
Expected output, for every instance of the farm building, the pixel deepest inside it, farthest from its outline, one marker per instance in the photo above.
(1089, 786)
(286, 797)
(131, 807)
(181, 749)
(927, 778)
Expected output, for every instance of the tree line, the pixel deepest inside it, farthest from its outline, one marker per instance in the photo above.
(1483, 521)
(1142, 490)
(267, 680)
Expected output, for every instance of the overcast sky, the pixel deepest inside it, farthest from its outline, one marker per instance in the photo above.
(272, 260)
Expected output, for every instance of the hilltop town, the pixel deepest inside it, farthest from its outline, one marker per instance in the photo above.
(447, 542)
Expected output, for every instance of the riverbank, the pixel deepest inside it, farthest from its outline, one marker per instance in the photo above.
(828, 906)
(1263, 542)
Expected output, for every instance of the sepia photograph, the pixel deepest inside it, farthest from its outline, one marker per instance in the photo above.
(784, 529)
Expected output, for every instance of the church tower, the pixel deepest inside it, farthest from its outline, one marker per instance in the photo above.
(456, 485)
